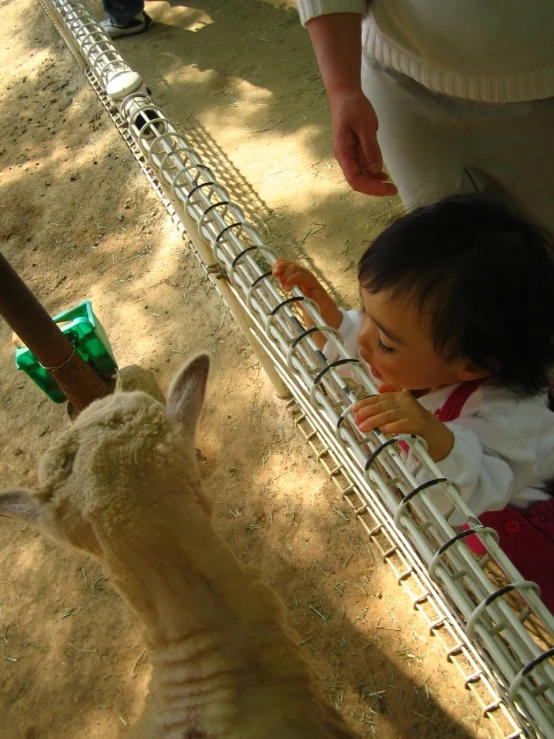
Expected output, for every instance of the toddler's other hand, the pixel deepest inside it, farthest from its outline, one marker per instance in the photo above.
(397, 411)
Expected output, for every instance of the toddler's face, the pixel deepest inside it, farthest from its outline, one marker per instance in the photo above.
(396, 341)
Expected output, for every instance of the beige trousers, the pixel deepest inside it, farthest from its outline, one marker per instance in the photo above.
(434, 145)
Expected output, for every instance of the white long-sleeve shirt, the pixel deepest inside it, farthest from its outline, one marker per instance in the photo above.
(503, 444)
(495, 51)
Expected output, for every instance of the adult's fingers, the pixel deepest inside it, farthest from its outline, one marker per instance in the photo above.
(370, 152)
(368, 185)
(356, 148)
(358, 175)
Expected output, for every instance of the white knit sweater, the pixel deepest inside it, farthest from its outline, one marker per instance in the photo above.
(496, 51)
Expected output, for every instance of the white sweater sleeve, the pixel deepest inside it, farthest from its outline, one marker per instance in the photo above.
(309, 9)
(495, 459)
(484, 479)
(348, 330)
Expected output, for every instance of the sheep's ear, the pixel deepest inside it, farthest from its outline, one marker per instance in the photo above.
(19, 504)
(186, 393)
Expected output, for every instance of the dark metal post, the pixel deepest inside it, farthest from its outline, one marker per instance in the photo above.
(26, 316)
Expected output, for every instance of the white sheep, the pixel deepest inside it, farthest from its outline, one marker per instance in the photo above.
(122, 484)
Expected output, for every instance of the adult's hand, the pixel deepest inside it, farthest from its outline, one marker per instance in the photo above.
(355, 144)
(337, 43)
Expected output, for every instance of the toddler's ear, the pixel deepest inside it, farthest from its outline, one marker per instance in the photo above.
(470, 371)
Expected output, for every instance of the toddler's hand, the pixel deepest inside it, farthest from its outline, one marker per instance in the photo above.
(396, 411)
(293, 275)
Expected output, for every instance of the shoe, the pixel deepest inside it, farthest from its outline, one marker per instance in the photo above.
(139, 24)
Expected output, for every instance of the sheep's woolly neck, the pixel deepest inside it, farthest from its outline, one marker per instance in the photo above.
(216, 630)
(219, 640)
(122, 484)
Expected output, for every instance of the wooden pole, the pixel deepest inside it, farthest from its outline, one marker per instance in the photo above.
(30, 321)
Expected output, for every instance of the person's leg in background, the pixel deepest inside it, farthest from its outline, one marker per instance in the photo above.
(422, 145)
(514, 145)
(125, 18)
(434, 145)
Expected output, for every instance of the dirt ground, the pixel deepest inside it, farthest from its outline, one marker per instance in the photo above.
(78, 220)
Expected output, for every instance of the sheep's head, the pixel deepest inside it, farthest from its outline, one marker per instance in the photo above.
(124, 455)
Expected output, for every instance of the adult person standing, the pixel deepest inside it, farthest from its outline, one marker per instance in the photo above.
(457, 96)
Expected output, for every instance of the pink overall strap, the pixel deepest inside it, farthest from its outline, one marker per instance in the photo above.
(454, 404)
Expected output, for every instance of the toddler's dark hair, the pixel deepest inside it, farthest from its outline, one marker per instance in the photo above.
(483, 275)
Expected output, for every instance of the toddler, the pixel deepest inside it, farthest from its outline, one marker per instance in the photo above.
(457, 327)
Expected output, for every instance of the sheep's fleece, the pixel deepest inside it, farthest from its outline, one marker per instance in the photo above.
(122, 485)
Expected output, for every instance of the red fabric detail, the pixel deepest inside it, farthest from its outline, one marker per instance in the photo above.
(454, 404)
(512, 527)
(525, 535)
(474, 544)
(527, 538)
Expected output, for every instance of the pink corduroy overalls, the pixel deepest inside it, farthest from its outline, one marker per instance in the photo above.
(526, 535)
